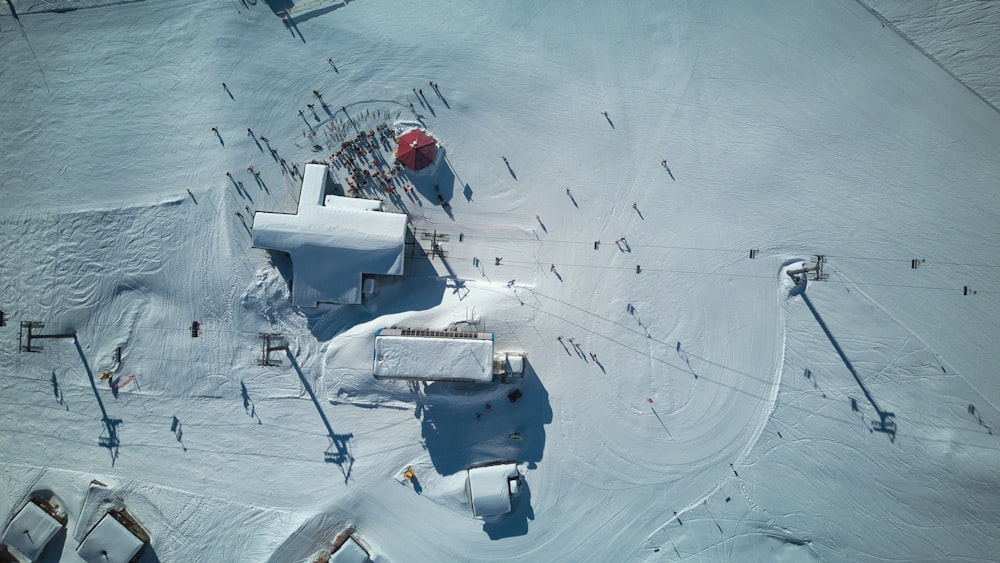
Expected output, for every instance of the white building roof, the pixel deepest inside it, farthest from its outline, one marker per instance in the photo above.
(515, 363)
(30, 531)
(333, 241)
(434, 356)
(488, 490)
(109, 542)
(350, 552)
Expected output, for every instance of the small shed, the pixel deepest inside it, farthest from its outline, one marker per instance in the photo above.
(509, 366)
(433, 355)
(32, 528)
(350, 552)
(117, 538)
(490, 488)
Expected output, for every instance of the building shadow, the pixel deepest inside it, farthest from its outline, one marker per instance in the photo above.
(415, 290)
(148, 555)
(514, 523)
(54, 549)
(459, 429)
(279, 7)
(418, 289)
(437, 184)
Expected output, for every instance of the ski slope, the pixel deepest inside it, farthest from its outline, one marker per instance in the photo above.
(682, 400)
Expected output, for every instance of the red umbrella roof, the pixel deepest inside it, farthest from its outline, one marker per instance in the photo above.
(416, 149)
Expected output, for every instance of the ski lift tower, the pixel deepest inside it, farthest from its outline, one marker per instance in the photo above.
(270, 342)
(800, 275)
(28, 335)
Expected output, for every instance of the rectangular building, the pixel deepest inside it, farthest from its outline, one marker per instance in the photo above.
(433, 355)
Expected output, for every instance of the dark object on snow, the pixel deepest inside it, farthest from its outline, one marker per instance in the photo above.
(514, 395)
(195, 327)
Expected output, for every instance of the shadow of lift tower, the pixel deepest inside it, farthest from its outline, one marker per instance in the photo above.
(885, 422)
(27, 342)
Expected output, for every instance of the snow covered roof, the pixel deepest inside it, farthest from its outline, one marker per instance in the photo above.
(433, 355)
(109, 542)
(350, 552)
(515, 363)
(416, 149)
(333, 241)
(30, 531)
(488, 489)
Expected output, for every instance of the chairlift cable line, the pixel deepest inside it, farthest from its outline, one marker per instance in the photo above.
(474, 238)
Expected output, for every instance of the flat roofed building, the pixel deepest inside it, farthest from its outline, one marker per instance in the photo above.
(333, 241)
(433, 355)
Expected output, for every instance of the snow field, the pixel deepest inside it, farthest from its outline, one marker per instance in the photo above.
(793, 128)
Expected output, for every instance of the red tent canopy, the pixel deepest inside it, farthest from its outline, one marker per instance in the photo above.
(416, 149)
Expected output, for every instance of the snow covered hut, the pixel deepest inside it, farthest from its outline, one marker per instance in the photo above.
(433, 355)
(334, 241)
(117, 538)
(350, 552)
(490, 488)
(32, 528)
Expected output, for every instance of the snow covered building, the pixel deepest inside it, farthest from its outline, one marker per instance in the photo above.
(350, 552)
(32, 528)
(117, 538)
(433, 355)
(334, 241)
(490, 488)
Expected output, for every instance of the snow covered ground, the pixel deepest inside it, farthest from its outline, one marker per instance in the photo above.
(682, 400)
